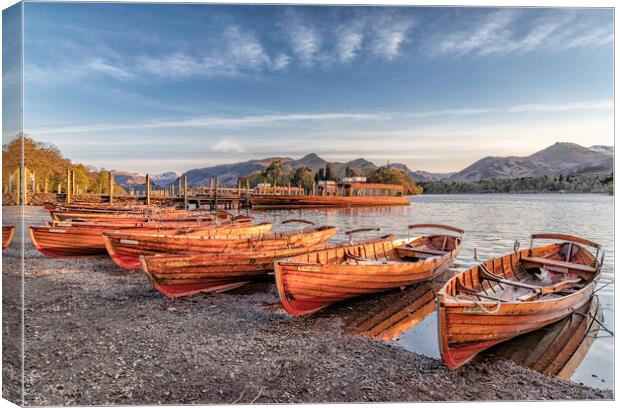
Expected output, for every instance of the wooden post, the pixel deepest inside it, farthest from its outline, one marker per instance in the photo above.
(180, 186)
(72, 181)
(68, 197)
(34, 184)
(45, 186)
(148, 190)
(185, 197)
(211, 187)
(111, 186)
(10, 183)
(313, 187)
(59, 188)
(217, 184)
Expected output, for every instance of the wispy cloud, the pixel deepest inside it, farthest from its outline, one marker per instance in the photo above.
(389, 35)
(228, 146)
(514, 30)
(305, 41)
(231, 122)
(213, 122)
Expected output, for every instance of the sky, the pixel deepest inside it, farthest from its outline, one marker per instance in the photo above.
(156, 87)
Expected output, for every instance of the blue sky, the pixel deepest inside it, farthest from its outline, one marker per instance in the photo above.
(145, 87)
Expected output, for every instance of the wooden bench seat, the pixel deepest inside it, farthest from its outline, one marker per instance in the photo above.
(426, 251)
(559, 264)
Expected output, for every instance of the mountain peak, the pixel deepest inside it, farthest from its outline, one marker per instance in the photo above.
(311, 156)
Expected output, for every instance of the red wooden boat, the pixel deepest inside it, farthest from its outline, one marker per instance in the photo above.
(184, 275)
(100, 215)
(8, 231)
(312, 281)
(125, 248)
(68, 241)
(515, 294)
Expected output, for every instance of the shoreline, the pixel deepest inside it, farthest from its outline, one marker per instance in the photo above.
(97, 334)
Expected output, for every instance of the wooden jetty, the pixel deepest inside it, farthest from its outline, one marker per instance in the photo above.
(214, 196)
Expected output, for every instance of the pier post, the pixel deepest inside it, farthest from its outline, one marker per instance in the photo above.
(211, 187)
(180, 186)
(148, 190)
(73, 182)
(185, 197)
(68, 197)
(45, 186)
(111, 186)
(217, 183)
(59, 190)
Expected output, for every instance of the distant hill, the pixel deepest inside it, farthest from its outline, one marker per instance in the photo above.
(560, 158)
(165, 179)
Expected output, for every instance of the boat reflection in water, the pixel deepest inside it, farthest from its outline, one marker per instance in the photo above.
(556, 350)
(393, 313)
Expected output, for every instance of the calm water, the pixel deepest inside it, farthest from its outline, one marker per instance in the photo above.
(492, 224)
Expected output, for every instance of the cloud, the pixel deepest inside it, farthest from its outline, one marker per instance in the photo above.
(305, 42)
(514, 30)
(348, 44)
(212, 122)
(227, 146)
(389, 35)
(232, 122)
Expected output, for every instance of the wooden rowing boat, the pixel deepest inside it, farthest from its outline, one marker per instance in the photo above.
(515, 294)
(8, 231)
(101, 215)
(184, 275)
(126, 248)
(558, 349)
(79, 240)
(319, 201)
(99, 207)
(309, 282)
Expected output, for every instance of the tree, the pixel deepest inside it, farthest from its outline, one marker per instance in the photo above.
(303, 177)
(353, 172)
(320, 175)
(329, 172)
(384, 175)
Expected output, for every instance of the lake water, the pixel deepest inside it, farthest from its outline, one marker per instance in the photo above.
(492, 223)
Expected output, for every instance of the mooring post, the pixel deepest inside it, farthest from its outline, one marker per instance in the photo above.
(59, 190)
(111, 186)
(68, 197)
(180, 185)
(148, 189)
(217, 184)
(185, 196)
(45, 186)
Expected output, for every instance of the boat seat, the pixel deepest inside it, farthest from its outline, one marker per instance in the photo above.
(559, 264)
(426, 251)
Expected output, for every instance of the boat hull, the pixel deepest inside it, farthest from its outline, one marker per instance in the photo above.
(307, 285)
(176, 276)
(8, 232)
(467, 327)
(87, 240)
(280, 201)
(126, 249)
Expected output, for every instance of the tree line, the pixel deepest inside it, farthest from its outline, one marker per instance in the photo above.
(278, 174)
(49, 166)
(579, 183)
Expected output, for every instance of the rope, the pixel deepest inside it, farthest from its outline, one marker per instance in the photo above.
(498, 304)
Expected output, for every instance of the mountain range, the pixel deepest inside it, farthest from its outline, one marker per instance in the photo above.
(560, 158)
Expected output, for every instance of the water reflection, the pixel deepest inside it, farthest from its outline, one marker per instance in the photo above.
(492, 223)
(558, 349)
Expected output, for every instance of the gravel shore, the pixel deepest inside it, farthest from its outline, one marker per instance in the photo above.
(98, 335)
